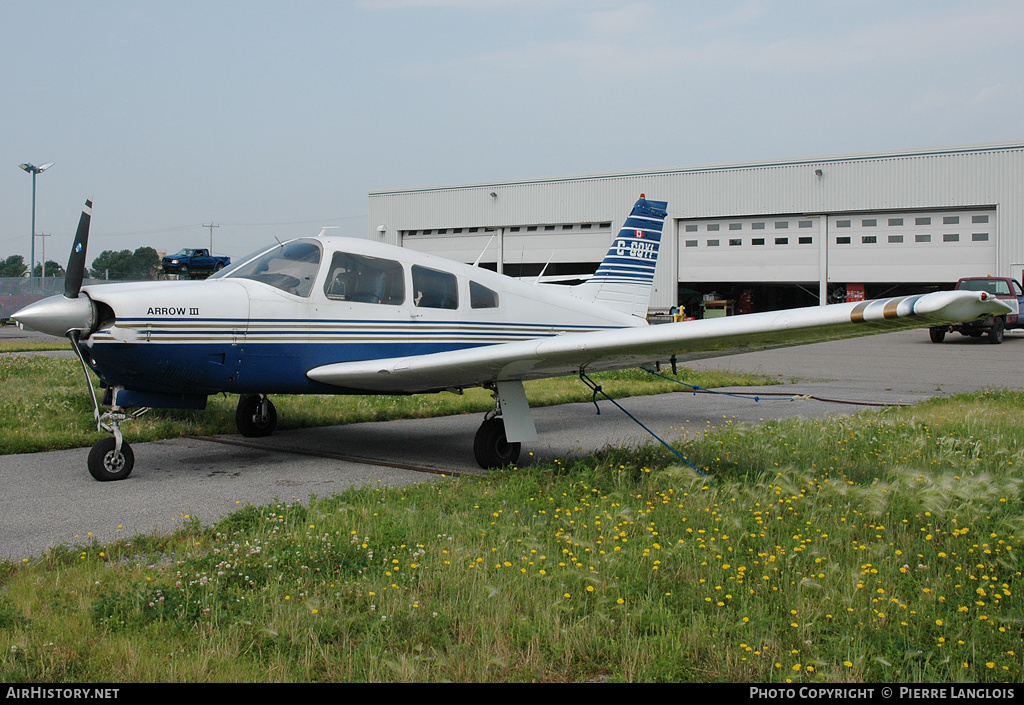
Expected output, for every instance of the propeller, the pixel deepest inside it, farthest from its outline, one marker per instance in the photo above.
(75, 272)
(63, 315)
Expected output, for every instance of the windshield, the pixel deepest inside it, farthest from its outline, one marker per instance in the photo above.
(290, 267)
(239, 263)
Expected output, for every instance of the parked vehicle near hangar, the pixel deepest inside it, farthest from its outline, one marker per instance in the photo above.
(1007, 290)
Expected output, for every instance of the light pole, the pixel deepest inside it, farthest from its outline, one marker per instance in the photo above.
(32, 169)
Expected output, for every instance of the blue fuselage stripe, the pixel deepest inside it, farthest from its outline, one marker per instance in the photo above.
(209, 368)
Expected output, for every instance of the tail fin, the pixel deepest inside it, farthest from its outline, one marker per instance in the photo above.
(623, 281)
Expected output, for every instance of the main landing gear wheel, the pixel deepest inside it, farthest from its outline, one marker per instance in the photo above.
(256, 416)
(937, 334)
(105, 463)
(491, 447)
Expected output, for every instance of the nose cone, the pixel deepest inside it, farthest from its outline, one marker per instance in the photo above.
(56, 315)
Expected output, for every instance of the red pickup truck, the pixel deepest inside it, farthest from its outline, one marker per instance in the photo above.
(1003, 288)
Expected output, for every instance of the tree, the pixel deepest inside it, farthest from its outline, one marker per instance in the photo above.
(13, 266)
(126, 265)
(111, 264)
(145, 263)
(53, 269)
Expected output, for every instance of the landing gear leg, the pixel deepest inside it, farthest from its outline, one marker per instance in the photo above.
(111, 458)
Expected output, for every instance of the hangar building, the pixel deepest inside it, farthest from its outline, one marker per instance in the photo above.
(752, 236)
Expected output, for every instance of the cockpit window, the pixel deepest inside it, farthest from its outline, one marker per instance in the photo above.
(290, 267)
(434, 289)
(364, 279)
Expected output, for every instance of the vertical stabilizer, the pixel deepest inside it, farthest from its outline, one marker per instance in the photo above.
(624, 279)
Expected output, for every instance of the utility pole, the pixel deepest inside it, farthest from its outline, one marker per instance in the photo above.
(211, 226)
(43, 271)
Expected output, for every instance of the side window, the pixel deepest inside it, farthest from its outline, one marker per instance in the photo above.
(364, 279)
(1016, 288)
(434, 289)
(482, 297)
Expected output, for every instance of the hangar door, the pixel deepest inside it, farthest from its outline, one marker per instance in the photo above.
(575, 248)
(898, 246)
(751, 249)
(927, 246)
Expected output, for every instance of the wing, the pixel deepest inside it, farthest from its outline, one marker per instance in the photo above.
(568, 353)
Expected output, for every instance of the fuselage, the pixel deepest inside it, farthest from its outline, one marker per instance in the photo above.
(261, 325)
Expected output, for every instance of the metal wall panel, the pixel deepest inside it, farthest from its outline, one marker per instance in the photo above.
(963, 177)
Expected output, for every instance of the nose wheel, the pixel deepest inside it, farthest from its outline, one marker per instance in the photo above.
(111, 460)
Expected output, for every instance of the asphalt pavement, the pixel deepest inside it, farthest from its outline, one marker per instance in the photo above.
(50, 499)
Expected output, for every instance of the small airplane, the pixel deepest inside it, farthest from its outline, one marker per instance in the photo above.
(339, 315)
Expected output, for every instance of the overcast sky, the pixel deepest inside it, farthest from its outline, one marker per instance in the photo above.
(273, 118)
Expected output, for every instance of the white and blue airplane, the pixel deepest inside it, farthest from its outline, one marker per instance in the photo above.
(339, 315)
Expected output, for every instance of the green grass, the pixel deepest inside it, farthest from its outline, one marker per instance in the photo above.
(12, 346)
(45, 406)
(883, 547)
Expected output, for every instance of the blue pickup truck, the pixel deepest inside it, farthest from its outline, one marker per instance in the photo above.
(1007, 290)
(194, 260)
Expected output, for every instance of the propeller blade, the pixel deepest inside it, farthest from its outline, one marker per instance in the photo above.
(75, 272)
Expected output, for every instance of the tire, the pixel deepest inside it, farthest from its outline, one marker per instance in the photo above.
(491, 448)
(220, 266)
(995, 333)
(183, 272)
(105, 466)
(247, 417)
(937, 334)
